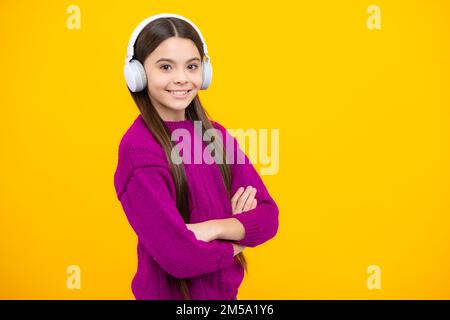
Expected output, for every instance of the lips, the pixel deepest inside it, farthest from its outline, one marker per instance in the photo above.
(179, 90)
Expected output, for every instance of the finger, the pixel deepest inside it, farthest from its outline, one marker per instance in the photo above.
(236, 196)
(244, 197)
(249, 201)
(241, 201)
(253, 204)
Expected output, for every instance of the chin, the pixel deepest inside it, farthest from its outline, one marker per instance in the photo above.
(179, 105)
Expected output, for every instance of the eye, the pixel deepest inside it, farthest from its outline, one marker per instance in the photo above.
(195, 65)
(163, 66)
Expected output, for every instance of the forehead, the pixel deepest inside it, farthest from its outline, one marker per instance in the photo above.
(177, 49)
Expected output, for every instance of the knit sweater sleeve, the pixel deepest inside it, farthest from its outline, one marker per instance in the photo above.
(261, 223)
(149, 203)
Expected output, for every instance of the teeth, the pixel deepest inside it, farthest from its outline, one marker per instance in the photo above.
(178, 93)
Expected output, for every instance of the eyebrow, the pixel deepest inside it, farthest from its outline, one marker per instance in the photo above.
(170, 60)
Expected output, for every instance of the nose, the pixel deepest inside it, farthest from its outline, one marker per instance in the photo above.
(181, 77)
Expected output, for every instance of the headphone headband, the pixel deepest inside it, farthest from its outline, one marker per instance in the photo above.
(143, 24)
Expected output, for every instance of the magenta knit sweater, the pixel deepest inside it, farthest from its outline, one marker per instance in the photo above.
(166, 248)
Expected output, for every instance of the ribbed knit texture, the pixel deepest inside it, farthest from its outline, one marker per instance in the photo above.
(166, 248)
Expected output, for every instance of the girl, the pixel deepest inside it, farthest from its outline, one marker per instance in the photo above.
(192, 220)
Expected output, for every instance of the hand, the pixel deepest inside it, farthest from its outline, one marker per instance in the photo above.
(205, 231)
(237, 248)
(244, 200)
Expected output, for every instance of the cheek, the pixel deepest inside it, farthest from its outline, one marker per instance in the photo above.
(197, 79)
(157, 82)
(154, 76)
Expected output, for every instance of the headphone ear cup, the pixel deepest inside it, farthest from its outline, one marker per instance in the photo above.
(206, 74)
(135, 76)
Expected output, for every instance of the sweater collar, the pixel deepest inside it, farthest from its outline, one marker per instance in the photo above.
(186, 124)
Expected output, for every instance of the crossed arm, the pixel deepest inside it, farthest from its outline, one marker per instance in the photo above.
(231, 228)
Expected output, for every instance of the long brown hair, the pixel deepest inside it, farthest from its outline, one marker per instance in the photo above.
(149, 39)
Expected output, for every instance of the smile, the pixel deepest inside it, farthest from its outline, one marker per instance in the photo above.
(179, 94)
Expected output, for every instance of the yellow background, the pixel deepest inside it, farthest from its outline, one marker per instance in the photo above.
(364, 142)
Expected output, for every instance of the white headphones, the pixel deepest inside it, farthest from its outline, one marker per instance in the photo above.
(134, 71)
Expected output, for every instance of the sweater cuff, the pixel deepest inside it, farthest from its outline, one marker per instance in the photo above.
(251, 228)
(228, 255)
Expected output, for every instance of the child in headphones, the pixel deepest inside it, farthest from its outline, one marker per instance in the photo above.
(193, 219)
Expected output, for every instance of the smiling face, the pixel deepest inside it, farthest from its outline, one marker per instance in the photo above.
(174, 73)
